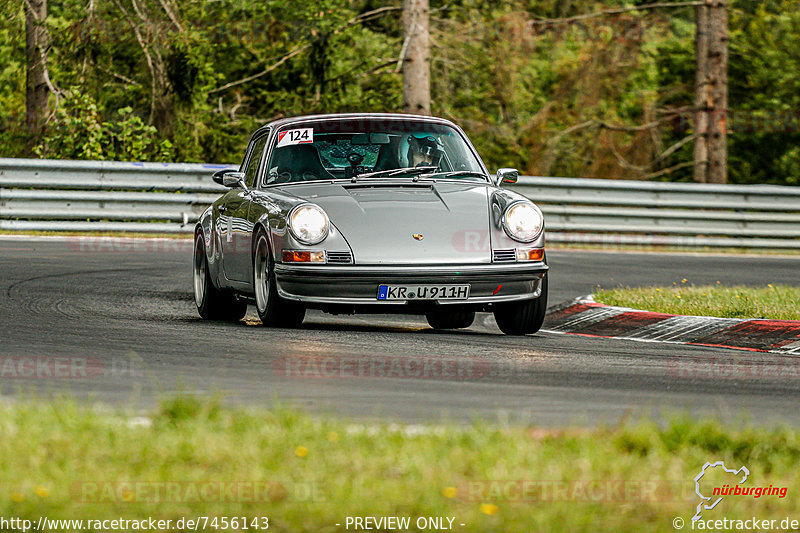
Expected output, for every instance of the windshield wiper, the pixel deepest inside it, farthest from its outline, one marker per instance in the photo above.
(470, 173)
(395, 172)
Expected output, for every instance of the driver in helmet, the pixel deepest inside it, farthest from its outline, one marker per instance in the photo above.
(424, 151)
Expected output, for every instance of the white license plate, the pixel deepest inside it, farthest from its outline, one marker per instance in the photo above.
(423, 292)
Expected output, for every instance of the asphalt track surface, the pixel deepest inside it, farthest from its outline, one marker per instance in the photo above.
(116, 323)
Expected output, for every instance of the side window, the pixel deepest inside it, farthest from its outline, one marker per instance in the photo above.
(252, 163)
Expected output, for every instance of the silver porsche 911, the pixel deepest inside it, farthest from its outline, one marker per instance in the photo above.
(374, 213)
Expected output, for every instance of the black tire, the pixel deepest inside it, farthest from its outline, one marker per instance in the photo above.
(271, 308)
(450, 319)
(522, 318)
(212, 303)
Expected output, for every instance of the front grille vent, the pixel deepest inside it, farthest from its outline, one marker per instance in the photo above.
(339, 258)
(508, 255)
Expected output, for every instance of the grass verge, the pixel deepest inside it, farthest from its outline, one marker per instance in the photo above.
(64, 460)
(777, 302)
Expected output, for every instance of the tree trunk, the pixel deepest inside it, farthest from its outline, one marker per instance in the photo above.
(718, 92)
(36, 87)
(416, 60)
(701, 103)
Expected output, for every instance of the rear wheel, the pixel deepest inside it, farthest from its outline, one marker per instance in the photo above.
(450, 319)
(272, 309)
(212, 303)
(522, 318)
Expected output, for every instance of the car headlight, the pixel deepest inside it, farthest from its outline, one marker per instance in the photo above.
(308, 223)
(523, 221)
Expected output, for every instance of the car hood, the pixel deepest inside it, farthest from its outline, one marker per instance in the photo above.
(407, 222)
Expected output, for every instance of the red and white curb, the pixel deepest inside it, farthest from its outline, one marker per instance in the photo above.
(588, 318)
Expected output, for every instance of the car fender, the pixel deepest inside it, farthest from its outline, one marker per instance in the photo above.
(499, 200)
(270, 211)
(270, 216)
(207, 226)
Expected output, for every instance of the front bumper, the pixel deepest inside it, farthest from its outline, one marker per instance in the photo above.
(358, 285)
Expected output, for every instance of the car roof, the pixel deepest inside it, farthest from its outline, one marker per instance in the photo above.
(339, 116)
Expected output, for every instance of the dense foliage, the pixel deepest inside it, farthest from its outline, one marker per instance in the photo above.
(608, 96)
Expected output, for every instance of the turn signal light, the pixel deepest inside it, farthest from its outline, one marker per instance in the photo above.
(294, 256)
(530, 254)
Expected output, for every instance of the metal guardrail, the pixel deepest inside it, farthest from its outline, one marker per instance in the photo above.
(597, 211)
(51, 195)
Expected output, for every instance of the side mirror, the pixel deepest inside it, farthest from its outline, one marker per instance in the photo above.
(506, 175)
(234, 179)
(229, 178)
(217, 176)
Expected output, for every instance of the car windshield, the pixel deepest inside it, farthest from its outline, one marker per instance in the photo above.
(337, 149)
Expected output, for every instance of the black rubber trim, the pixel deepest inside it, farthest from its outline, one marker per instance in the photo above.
(434, 275)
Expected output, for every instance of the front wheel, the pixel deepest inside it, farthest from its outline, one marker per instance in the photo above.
(450, 319)
(212, 303)
(522, 318)
(272, 309)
